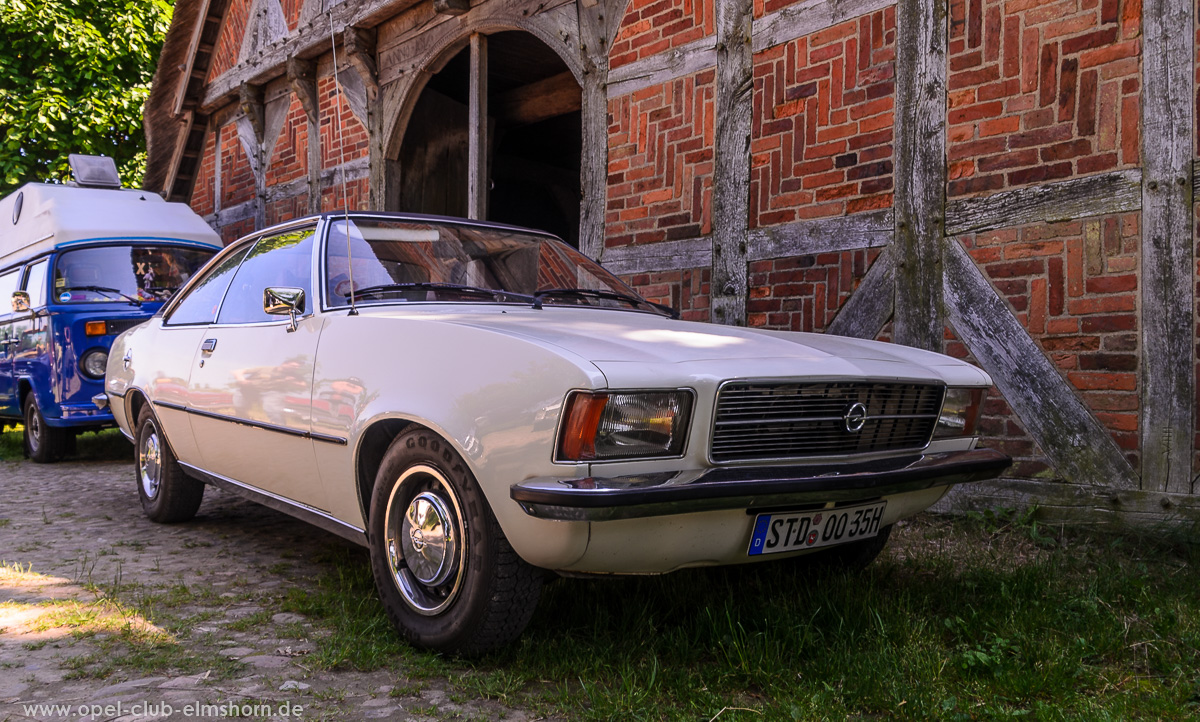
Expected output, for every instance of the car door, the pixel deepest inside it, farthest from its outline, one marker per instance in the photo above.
(30, 331)
(175, 350)
(10, 404)
(251, 384)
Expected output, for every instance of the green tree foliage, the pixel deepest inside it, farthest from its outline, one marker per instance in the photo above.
(74, 75)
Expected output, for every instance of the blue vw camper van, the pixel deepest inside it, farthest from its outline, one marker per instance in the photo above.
(79, 264)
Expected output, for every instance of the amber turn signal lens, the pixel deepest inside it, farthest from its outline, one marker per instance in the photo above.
(96, 328)
(578, 441)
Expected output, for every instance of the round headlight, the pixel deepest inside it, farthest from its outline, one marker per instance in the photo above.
(93, 363)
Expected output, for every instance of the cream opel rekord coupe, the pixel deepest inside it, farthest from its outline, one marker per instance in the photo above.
(483, 406)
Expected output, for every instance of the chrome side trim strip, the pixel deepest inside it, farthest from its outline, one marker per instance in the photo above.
(255, 424)
(303, 512)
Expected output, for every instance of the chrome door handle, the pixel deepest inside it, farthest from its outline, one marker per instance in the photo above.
(208, 345)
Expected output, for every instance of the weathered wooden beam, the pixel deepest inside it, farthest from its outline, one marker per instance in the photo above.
(822, 235)
(549, 98)
(251, 142)
(597, 23)
(920, 171)
(663, 256)
(250, 100)
(351, 170)
(451, 7)
(233, 214)
(1058, 503)
(283, 191)
(732, 109)
(1096, 195)
(663, 67)
(1168, 364)
(805, 18)
(1077, 445)
(360, 51)
(870, 307)
(302, 74)
(186, 70)
(477, 127)
(177, 155)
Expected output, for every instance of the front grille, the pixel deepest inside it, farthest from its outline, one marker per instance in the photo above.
(781, 420)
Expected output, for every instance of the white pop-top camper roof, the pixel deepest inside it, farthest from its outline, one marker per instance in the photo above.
(55, 215)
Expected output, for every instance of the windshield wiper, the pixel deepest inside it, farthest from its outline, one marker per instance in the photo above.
(105, 289)
(607, 295)
(431, 286)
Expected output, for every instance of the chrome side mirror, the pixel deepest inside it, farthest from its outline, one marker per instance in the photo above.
(284, 301)
(20, 301)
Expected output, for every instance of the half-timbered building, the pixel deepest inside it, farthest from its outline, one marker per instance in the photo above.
(1009, 180)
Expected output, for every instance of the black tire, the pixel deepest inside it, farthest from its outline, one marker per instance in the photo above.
(168, 494)
(850, 557)
(447, 576)
(44, 444)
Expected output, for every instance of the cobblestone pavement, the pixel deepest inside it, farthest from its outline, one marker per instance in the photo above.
(81, 564)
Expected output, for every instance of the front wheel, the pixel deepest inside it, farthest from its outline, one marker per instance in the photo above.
(168, 495)
(447, 576)
(43, 443)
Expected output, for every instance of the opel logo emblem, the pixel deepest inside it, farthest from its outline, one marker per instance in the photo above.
(855, 417)
(418, 539)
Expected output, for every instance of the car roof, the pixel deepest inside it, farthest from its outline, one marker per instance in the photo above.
(403, 216)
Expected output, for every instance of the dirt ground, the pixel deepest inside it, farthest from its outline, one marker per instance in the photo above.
(73, 538)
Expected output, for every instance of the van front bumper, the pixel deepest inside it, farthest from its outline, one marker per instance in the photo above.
(749, 487)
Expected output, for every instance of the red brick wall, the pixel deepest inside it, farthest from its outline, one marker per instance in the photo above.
(204, 196)
(660, 150)
(1040, 91)
(289, 158)
(1074, 286)
(355, 196)
(237, 179)
(286, 209)
(687, 290)
(804, 293)
(291, 12)
(352, 140)
(652, 26)
(234, 231)
(822, 129)
(229, 41)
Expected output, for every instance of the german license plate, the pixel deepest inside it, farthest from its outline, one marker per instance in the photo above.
(774, 533)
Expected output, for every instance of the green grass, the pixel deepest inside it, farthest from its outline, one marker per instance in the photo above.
(982, 618)
(103, 445)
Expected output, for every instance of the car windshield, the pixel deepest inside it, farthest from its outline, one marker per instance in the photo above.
(132, 273)
(405, 261)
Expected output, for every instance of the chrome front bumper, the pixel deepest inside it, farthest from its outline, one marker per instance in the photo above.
(749, 487)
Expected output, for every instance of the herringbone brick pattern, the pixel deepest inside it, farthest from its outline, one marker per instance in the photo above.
(804, 293)
(660, 150)
(237, 179)
(204, 194)
(823, 123)
(1074, 286)
(289, 157)
(653, 26)
(352, 140)
(1041, 91)
(229, 41)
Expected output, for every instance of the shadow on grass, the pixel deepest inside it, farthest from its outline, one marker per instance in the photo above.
(1089, 626)
(104, 445)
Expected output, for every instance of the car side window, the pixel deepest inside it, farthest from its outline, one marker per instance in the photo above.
(280, 260)
(8, 284)
(35, 283)
(200, 304)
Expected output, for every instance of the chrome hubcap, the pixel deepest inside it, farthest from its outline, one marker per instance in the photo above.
(150, 463)
(423, 534)
(33, 425)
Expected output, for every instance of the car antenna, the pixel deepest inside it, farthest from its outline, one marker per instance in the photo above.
(337, 113)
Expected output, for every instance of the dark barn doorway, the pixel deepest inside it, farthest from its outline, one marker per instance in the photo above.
(530, 143)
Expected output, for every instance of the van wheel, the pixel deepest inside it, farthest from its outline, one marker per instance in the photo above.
(43, 443)
(168, 495)
(447, 576)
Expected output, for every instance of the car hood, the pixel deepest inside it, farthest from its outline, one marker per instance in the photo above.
(607, 337)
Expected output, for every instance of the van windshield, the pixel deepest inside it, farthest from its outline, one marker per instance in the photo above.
(125, 273)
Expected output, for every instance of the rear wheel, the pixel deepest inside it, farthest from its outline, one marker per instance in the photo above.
(446, 574)
(167, 494)
(43, 443)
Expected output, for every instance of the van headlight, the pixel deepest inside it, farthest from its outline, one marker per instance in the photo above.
(960, 412)
(93, 363)
(611, 425)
